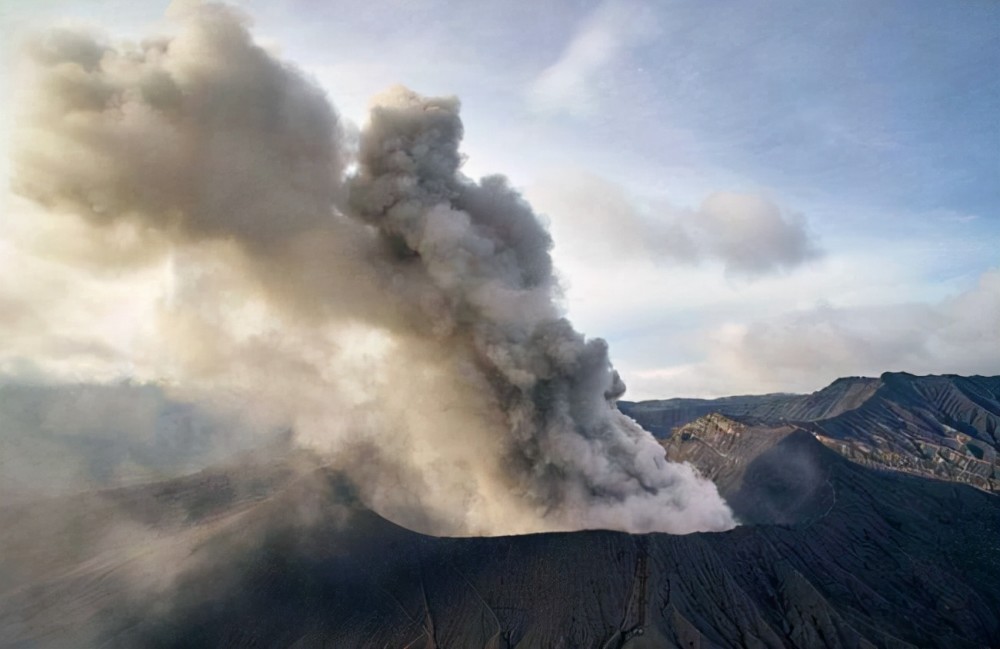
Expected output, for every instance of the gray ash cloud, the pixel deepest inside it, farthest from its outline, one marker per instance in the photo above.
(208, 151)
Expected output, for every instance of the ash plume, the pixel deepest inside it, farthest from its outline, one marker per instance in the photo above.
(204, 153)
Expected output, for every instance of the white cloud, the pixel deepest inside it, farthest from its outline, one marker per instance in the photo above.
(722, 299)
(594, 221)
(806, 349)
(572, 85)
(750, 234)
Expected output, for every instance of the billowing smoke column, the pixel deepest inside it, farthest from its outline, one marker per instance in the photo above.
(205, 141)
(484, 250)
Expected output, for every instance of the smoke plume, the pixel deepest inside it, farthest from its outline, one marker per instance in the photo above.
(400, 317)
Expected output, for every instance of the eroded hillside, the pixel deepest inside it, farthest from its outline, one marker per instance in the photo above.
(946, 427)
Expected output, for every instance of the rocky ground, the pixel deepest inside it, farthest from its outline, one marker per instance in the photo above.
(831, 553)
(945, 427)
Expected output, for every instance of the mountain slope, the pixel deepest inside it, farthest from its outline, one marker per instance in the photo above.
(937, 426)
(838, 555)
(866, 559)
(280, 553)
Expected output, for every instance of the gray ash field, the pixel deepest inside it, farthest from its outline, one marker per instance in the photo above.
(831, 553)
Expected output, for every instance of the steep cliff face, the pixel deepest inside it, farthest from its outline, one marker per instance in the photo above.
(769, 475)
(940, 426)
(936, 426)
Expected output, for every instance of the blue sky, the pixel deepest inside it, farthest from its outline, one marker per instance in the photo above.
(870, 129)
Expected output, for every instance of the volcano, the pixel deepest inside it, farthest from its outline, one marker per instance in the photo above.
(832, 552)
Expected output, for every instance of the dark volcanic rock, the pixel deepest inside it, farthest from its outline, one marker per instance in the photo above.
(661, 417)
(941, 426)
(832, 553)
(778, 475)
(868, 560)
(936, 426)
(841, 556)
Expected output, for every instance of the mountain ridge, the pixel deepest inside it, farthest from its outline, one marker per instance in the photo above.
(942, 426)
(831, 553)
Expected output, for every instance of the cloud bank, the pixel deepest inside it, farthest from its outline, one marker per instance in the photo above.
(595, 221)
(402, 307)
(812, 346)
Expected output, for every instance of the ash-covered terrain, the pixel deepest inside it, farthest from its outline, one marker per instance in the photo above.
(936, 426)
(832, 552)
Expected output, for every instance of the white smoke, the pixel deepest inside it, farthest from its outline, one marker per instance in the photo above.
(401, 318)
